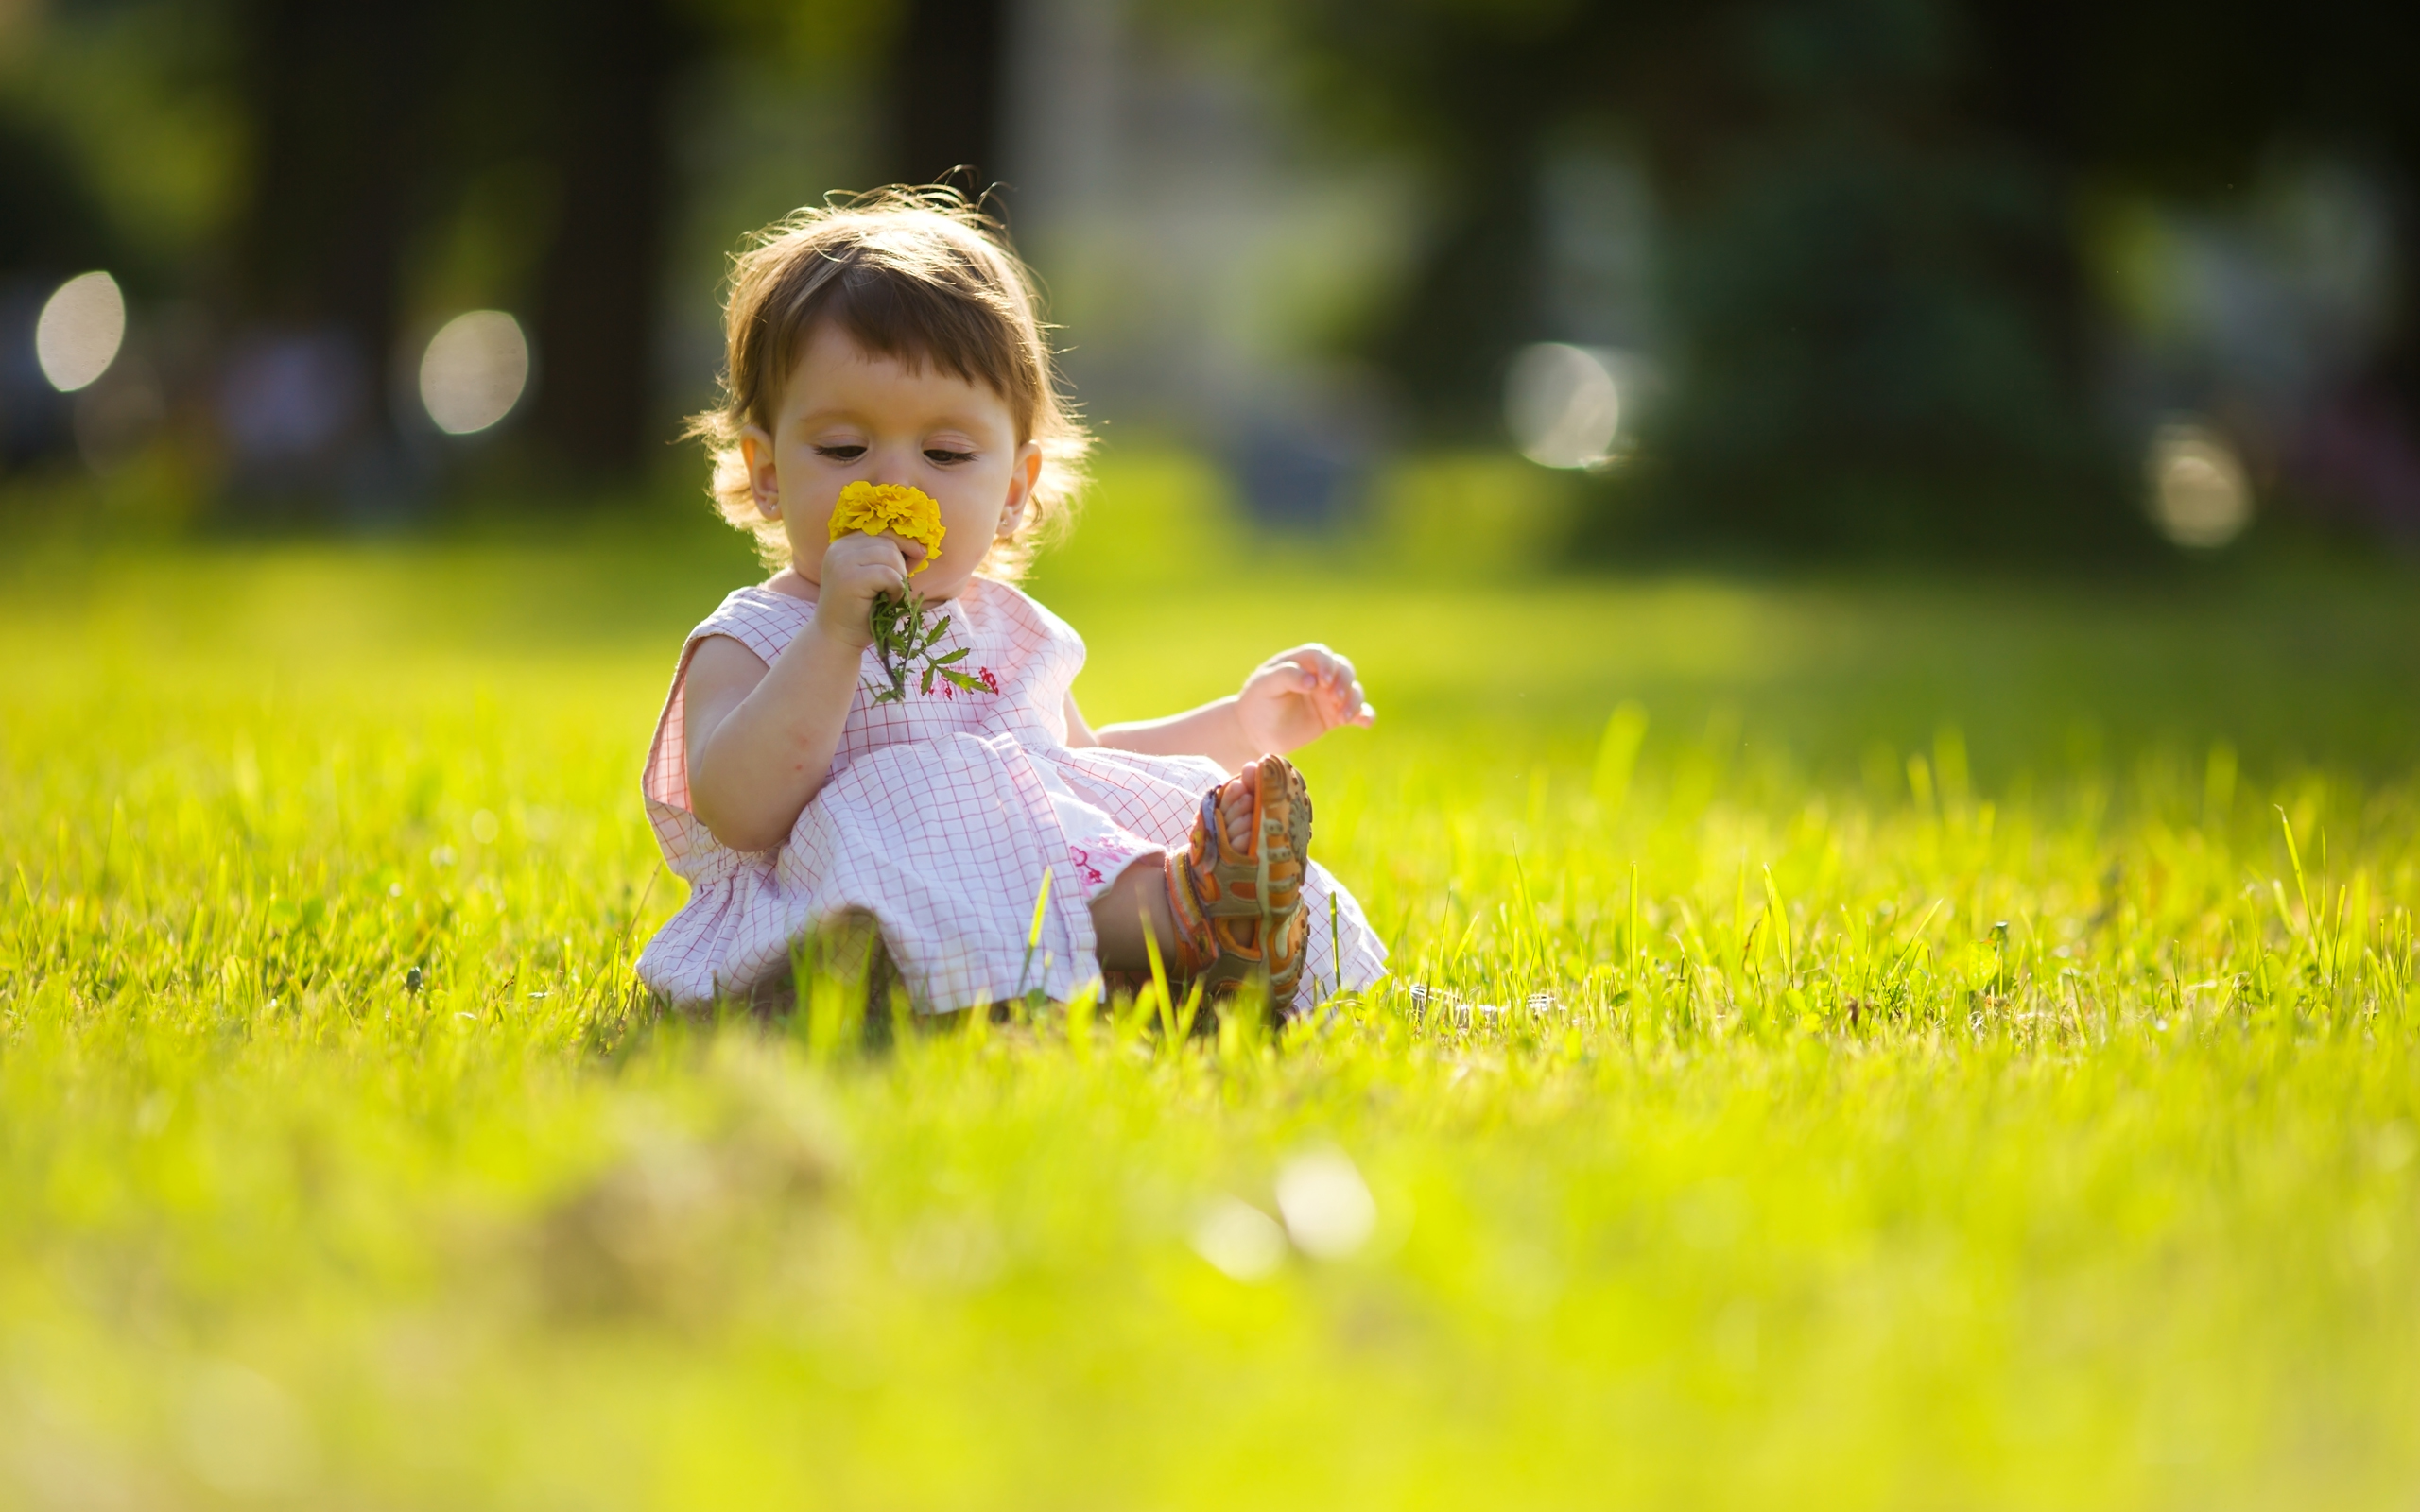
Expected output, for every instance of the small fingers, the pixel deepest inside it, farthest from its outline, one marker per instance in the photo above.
(1337, 677)
(1291, 677)
(1318, 659)
(911, 553)
(1334, 692)
(1342, 701)
(868, 560)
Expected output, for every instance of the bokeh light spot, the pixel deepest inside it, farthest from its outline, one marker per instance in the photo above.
(2200, 497)
(1562, 406)
(82, 327)
(1328, 1210)
(1240, 1240)
(473, 371)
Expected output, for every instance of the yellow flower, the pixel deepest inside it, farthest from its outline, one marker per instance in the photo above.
(874, 507)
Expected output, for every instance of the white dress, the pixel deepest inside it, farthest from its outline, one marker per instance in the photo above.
(942, 814)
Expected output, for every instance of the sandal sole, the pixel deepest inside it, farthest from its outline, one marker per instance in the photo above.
(1269, 893)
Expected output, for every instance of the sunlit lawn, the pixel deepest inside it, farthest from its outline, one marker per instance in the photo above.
(1917, 1078)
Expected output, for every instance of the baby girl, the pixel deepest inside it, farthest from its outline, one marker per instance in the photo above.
(893, 340)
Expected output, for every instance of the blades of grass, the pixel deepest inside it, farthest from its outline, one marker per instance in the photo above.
(1191, 1014)
(1082, 1011)
(1033, 934)
(1159, 974)
(1633, 947)
(2294, 855)
(1779, 913)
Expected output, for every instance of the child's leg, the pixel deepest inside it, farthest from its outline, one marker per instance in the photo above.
(1138, 900)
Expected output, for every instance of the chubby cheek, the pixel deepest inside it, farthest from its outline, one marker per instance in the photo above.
(809, 537)
(971, 512)
(806, 516)
(806, 499)
(970, 533)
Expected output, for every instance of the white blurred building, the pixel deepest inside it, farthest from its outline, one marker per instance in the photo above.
(1198, 250)
(1210, 256)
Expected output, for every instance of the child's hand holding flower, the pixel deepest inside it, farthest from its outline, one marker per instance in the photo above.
(884, 534)
(862, 563)
(1296, 696)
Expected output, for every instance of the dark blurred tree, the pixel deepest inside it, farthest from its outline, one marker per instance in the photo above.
(1873, 311)
(947, 68)
(1878, 319)
(609, 75)
(372, 116)
(48, 222)
(336, 91)
(333, 94)
(2186, 99)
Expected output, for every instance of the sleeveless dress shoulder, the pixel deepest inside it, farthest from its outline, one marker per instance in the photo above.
(941, 818)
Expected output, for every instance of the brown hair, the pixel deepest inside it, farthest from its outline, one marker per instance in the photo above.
(918, 274)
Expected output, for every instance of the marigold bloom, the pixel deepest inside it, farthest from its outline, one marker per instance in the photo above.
(874, 507)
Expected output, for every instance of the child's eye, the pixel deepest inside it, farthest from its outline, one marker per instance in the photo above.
(940, 457)
(849, 453)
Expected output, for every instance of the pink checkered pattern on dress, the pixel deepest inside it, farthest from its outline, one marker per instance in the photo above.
(938, 821)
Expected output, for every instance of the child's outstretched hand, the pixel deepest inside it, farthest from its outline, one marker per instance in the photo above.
(1296, 696)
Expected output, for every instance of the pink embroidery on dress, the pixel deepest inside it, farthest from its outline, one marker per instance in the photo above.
(950, 689)
(1083, 860)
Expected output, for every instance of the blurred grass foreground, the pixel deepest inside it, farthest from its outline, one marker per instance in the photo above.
(1852, 1045)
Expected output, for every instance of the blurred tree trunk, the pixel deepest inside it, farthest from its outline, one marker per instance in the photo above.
(947, 76)
(335, 93)
(334, 89)
(611, 67)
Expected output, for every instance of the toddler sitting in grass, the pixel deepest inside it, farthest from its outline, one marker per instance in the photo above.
(893, 341)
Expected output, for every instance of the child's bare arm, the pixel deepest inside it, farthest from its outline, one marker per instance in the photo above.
(1289, 701)
(761, 737)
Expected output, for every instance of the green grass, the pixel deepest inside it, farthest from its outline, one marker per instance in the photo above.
(1811, 1185)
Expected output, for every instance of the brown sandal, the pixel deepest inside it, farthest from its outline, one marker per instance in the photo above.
(1231, 903)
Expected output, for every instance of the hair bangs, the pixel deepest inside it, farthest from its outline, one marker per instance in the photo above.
(891, 312)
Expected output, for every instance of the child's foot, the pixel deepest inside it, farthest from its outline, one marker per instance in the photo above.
(1237, 890)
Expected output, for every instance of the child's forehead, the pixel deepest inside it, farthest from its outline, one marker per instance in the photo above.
(833, 369)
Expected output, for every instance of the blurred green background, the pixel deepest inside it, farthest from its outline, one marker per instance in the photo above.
(1759, 279)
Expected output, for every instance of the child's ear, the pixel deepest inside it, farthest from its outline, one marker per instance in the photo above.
(764, 482)
(1023, 474)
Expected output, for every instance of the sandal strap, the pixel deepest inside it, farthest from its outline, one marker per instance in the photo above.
(1197, 944)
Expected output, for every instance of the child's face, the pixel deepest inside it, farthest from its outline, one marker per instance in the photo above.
(848, 415)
